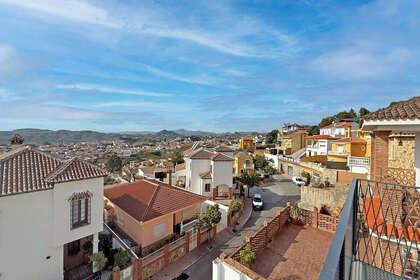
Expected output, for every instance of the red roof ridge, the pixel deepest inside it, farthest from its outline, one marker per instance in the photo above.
(150, 203)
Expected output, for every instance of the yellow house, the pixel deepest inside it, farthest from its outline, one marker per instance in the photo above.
(348, 146)
(363, 134)
(291, 143)
(243, 164)
(246, 143)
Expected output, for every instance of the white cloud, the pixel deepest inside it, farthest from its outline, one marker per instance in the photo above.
(359, 63)
(91, 87)
(71, 10)
(11, 62)
(156, 21)
(163, 106)
(7, 94)
(202, 79)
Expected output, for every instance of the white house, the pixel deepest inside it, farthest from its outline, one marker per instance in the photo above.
(318, 145)
(338, 129)
(209, 173)
(49, 208)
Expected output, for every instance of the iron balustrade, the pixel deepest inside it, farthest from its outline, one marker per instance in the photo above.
(378, 236)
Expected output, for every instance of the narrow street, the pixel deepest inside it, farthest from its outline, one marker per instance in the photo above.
(275, 195)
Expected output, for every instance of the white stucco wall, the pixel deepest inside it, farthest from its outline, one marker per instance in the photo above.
(61, 209)
(223, 209)
(26, 238)
(223, 271)
(275, 159)
(198, 166)
(222, 173)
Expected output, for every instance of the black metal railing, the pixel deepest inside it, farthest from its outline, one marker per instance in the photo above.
(378, 236)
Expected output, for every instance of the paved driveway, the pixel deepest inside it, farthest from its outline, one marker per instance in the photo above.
(275, 195)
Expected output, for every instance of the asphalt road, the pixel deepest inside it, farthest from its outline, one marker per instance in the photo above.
(275, 195)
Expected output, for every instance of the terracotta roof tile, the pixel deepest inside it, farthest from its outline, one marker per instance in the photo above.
(320, 137)
(26, 170)
(180, 167)
(145, 200)
(200, 154)
(75, 169)
(352, 140)
(221, 157)
(404, 110)
(223, 148)
(338, 125)
(206, 175)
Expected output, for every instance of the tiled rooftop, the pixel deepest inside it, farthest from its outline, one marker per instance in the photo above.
(404, 110)
(296, 252)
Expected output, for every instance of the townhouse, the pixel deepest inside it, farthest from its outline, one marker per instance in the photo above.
(51, 212)
(150, 211)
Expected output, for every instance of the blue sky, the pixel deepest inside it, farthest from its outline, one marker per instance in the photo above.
(208, 65)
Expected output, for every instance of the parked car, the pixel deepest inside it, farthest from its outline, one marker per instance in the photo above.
(257, 202)
(298, 181)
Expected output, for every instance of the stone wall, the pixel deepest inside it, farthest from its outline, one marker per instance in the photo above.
(401, 152)
(314, 197)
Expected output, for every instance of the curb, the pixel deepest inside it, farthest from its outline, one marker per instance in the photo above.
(247, 218)
(230, 230)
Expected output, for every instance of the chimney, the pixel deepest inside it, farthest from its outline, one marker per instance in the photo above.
(169, 177)
(16, 140)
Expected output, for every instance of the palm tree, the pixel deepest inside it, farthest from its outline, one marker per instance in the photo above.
(250, 180)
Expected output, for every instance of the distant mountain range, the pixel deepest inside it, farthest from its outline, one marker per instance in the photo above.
(33, 135)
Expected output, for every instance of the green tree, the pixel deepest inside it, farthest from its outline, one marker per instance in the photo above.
(177, 158)
(114, 164)
(99, 260)
(250, 180)
(122, 259)
(259, 161)
(269, 170)
(234, 206)
(247, 256)
(211, 216)
(271, 137)
(363, 111)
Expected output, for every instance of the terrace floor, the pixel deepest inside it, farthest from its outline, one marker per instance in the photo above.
(296, 252)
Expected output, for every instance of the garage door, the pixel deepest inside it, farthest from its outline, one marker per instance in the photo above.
(290, 170)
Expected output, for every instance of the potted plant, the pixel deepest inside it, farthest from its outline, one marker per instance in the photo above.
(247, 256)
(294, 212)
(99, 261)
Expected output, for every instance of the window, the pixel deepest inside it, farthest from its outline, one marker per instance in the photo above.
(207, 187)
(80, 212)
(159, 230)
(73, 248)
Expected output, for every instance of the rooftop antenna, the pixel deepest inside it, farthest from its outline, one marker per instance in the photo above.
(195, 145)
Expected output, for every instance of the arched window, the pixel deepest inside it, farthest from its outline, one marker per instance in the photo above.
(80, 208)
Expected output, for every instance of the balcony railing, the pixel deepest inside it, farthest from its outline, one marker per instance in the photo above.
(378, 236)
(358, 161)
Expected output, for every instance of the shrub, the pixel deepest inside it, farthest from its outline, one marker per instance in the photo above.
(294, 209)
(99, 260)
(211, 216)
(235, 206)
(305, 174)
(247, 256)
(325, 210)
(122, 259)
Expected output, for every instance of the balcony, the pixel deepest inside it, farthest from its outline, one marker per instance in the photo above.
(378, 236)
(337, 153)
(358, 161)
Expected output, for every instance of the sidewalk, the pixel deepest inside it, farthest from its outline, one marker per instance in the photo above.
(176, 268)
